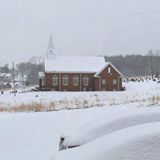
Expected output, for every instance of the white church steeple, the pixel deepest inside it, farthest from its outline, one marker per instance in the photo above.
(50, 50)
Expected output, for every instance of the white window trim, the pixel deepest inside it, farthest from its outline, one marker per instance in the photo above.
(65, 78)
(85, 81)
(75, 80)
(55, 80)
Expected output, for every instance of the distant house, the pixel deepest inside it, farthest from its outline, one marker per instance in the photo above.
(77, 73)
(5, 76)
(20, 80)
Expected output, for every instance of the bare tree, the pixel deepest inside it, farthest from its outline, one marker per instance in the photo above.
(31, 69)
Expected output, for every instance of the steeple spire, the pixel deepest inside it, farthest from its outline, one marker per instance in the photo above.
(50, 50)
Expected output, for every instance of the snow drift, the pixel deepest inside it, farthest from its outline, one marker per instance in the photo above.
(105, 125)
(141, 142)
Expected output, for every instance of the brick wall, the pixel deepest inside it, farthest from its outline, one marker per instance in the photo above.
(70, 86)
(95, 83)
(109, 77)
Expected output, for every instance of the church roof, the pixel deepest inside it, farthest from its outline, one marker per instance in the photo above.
(74, 64)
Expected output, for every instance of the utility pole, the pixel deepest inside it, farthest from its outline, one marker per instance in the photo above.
(14, 86)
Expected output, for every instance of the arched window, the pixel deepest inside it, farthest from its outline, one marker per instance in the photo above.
(55, 80)
(65, 80)
(85, 80)
(75, 80)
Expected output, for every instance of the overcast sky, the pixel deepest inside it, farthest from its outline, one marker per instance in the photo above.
(79, 27)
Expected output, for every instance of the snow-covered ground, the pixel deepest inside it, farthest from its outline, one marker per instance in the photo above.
(145, 93)
(141, 142)
(107, 124)
(32, 136)
(36, 135)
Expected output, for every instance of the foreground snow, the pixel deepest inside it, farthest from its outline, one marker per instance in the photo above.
(32, 136)
(141, 142)
(104, 125)
(35, 136)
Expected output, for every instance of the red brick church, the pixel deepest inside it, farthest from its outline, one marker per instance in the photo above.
(78, 73)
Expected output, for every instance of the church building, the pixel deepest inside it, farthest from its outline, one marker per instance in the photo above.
(78, 73)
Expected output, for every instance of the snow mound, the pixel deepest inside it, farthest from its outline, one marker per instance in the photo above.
(141, 142)
(105, 125)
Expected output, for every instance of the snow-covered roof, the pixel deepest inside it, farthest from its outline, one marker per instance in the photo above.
(6, 75)
(87, 64)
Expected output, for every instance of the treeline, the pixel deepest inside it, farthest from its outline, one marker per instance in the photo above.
(25, 71)
(30, 69)
(129, 65)
(137, 65)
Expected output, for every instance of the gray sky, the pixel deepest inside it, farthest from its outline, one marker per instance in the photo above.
(79, 27)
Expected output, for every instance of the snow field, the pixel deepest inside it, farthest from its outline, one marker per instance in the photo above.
(32, 136)
(141, 142)
(144, 93)
(105, 125)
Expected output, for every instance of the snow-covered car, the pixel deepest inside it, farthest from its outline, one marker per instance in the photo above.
(105, 125)
(140, 142)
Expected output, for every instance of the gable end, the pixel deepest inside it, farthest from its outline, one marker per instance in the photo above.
(105, 67)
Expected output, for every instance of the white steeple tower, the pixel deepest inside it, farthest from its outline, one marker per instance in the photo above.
(50, 50)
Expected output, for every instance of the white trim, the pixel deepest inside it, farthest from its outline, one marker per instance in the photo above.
(55, 78)
(75, 79)
(85, 79)
(65, 77)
